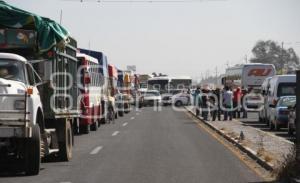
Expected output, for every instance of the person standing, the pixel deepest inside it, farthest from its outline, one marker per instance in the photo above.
(227, 102)
(217, 108)
(244, 93)
(214, 105)
(197, 100)
(237, 102)
(204, 106)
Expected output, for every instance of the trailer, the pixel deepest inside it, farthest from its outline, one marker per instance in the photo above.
(38, 84)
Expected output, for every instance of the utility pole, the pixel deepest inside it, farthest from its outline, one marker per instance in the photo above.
(297, 122)
(246, 58)
(282, 63)
(60, 17)
(216, 76)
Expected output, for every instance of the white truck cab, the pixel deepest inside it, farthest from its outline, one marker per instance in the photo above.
(20, 111)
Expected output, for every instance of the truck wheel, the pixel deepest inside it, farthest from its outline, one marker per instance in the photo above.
(271, 125)
(84, 129)
(94, 126)
(33, 152)
(121, 113)
(277, 127)
(290, 131)
(66, 146)
(99, 122)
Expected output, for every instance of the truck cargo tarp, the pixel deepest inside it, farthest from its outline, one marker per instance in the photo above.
(48, 31)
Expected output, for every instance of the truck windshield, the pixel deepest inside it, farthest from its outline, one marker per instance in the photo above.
(12, 70)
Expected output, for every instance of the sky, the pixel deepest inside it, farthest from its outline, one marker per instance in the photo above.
(196, 38)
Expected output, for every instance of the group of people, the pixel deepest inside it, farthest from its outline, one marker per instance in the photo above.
(217, 102)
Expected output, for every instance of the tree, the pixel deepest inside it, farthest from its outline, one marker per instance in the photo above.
(271, 52)
(154, 74)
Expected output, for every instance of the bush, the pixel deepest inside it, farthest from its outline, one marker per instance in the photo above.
(290, 168)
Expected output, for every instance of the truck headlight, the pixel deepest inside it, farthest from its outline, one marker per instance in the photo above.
(19, 104)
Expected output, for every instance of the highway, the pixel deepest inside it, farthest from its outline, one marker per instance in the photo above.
(145, 146)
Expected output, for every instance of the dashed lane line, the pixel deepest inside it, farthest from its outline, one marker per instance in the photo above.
(96, 150)
(115, 133)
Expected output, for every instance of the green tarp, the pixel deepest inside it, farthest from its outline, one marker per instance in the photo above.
(49, 33)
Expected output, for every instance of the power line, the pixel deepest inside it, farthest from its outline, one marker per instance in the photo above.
(141, 1)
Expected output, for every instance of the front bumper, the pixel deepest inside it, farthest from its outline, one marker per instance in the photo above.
(15, 132)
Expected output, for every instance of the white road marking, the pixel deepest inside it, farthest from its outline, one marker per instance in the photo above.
(96, 150)
(132, 118)
(124, 124)
(115, 133)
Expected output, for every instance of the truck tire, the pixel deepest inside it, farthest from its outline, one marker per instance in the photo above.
(66, 145)
(84, 129)
(121, 113)
(271, 125)
(33, 152)
(290, 131)
(94, 126)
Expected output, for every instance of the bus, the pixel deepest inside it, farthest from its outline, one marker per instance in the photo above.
(248, 75)
(167, 84)
(177, 84)
(159, 83)
(90, 92)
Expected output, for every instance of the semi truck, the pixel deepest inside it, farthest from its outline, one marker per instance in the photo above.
(38, 90)
(112, 88)
(103, 69)
(90, 93)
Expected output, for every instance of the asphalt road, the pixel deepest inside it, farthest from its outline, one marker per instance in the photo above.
(145, 147)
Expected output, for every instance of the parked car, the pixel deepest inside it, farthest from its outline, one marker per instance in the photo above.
(280, 85)
(279, 113)
(254, 99)
(152, 97)
(181, 99)
(166, 99)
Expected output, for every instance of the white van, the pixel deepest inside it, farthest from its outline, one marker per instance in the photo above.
(279, 85)
(264, 92)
